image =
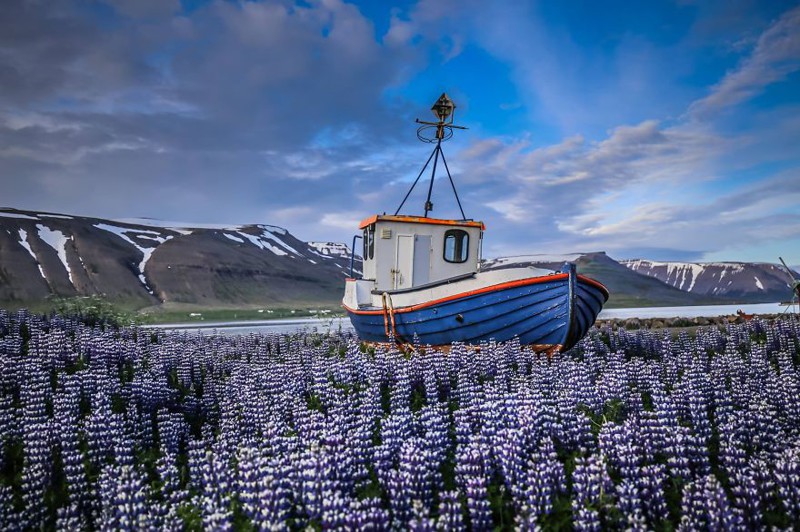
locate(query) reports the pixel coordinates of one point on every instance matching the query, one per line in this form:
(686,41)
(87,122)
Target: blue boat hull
(549,312)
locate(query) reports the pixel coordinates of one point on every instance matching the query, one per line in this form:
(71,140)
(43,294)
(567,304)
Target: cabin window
(456,245)
(369,242)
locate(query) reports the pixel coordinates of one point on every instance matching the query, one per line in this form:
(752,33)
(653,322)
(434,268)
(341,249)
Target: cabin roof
(418,220)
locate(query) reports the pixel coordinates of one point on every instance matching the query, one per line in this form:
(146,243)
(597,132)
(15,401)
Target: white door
(404,262)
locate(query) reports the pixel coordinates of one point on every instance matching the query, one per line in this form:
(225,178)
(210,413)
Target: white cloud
(341,220)
(775,56)
(551,179)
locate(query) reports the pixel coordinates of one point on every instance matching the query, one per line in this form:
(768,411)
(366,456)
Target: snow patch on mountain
(5,214)
(23,235)
(330,249)
(186,227)
(128,235)
(58,241)
(261,243)
(280,242)
(522,261)
(232,237)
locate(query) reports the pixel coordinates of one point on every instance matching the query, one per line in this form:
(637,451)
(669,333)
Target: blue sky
(661,130)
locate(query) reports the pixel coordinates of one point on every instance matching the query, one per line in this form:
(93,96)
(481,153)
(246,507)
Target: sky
(659,130)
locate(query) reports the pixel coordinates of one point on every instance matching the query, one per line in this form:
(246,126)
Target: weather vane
(444,109)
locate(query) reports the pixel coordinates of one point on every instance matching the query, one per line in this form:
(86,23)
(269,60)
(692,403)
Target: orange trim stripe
(485,289)
(418,220)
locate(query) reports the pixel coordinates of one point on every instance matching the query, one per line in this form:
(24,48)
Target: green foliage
(560,518)
(240,520)
(502,506)
(418,398)
(314,402)
(11,470)
(613,411)
(191,517)
(371,489)
(94,310)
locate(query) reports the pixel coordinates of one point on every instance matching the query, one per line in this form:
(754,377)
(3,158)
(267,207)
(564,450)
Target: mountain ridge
(150,263)
(730,279)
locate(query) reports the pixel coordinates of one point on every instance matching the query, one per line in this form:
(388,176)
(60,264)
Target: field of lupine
(130,428)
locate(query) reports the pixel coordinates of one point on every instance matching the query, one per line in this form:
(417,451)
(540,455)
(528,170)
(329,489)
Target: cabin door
(413,261)
(422,259)
(403,273)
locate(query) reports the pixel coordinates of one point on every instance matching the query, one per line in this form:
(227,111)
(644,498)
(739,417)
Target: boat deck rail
(426,285)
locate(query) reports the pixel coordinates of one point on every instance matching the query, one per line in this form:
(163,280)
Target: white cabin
(406,252)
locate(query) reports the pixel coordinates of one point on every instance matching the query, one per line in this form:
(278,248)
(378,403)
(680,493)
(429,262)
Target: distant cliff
(647,283)
(744,281)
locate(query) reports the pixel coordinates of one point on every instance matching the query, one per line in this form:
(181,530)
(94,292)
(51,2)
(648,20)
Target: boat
(422,282)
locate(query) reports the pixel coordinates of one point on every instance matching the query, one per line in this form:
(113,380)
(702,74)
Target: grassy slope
(184,313)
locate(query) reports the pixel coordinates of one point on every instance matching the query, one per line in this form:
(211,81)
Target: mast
(444,111)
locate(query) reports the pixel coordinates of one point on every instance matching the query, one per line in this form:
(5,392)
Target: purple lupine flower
(433,420)
(196,455)
(66,412)
(619,443)
(217,488)
(413,480)
(787,479)
(478,507)
(705,506)
(264,489)
(318,480)
(123,496)
(334,511)
(236,411)
(586,520)
(511,459)
(8,517)
(451,517)
(367,515)
(67,518)
(592,491)
(420,520)
(650,485)
(630,505)
(544,480)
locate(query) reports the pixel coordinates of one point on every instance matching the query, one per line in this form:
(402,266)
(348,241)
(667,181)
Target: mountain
(627,288)
(741,281)
(144,262)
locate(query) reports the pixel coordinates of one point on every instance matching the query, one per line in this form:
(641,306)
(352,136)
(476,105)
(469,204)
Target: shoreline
(266,323)
(630,319)
(633,324)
